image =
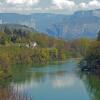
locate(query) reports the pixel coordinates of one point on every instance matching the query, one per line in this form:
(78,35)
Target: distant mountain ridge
(15,27)
(83,24)
(80,24)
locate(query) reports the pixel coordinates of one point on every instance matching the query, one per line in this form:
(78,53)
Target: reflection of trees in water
(8,93)
(20,74)
(93,85)
(41,76)
(13,88)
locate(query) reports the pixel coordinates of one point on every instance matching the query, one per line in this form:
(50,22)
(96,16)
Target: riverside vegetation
(91,61)
(17,47)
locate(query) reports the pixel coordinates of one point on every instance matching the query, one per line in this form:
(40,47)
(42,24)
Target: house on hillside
(34,44)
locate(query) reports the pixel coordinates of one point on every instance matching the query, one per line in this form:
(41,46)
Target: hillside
(13,27)
(80,24)
(20,45)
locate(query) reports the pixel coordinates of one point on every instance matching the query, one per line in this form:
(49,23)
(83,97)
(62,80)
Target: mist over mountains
(80,24)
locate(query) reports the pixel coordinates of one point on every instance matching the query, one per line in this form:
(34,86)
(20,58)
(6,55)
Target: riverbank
(91,62)
(12,55)
(56,80)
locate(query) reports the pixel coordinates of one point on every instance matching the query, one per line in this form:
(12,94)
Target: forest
(91,61)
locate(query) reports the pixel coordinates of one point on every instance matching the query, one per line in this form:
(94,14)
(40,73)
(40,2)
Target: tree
(7,31)
(14,39)
(2,40)
(98,38)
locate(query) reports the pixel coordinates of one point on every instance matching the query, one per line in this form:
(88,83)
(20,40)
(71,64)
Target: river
(54,82)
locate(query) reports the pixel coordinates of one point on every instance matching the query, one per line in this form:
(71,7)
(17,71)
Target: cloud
(72,5)
(94,4)
(62,4)
(19,6)
(53,6)
(82,5)
(28,2)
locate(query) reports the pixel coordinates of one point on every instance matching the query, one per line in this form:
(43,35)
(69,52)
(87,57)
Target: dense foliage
(91,61)
(98,38)
(17,47)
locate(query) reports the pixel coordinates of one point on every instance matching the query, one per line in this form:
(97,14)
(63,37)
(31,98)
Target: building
(33,44)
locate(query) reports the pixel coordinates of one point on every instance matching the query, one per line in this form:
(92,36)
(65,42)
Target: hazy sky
(47,6)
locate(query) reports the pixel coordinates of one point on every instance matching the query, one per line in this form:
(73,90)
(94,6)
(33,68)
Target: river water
(55,82)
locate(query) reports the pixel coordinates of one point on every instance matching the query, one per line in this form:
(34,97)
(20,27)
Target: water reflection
(9,93)
(93,86)
(56,80)
(53,82)
(63,82)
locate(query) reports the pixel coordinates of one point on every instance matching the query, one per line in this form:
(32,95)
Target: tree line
(91,61)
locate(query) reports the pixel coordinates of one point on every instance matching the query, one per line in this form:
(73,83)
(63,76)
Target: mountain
(83,24)
(10,28)
(80,24)
(39,21)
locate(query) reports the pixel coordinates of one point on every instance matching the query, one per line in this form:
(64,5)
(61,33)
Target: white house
(33,44)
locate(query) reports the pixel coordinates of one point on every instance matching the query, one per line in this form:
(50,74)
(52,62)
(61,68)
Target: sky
(47,6)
